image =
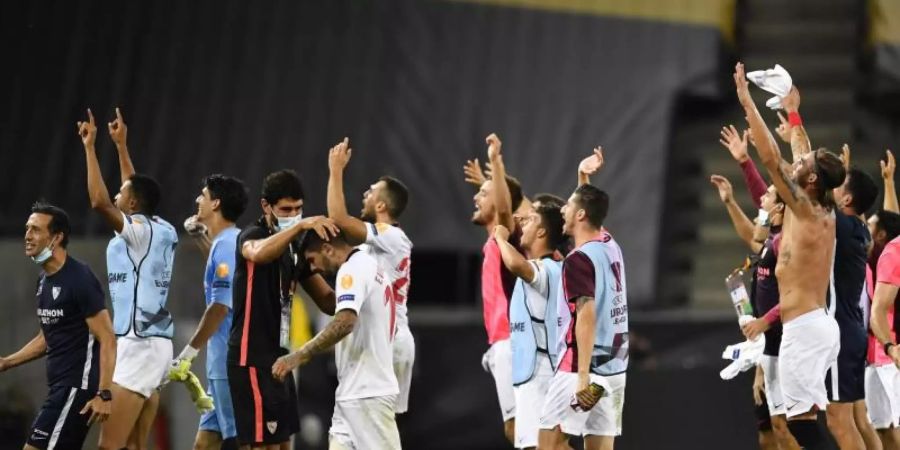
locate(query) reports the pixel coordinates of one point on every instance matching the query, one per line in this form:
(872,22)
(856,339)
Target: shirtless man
(810,341)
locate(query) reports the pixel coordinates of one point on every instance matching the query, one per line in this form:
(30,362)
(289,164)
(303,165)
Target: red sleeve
(578,276)
(754,180)
(774,315)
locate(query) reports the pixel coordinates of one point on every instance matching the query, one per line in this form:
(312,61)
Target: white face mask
(286,222)
(44,255)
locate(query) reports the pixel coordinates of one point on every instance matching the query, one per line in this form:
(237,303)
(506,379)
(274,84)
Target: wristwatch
(887,348)
(104,395)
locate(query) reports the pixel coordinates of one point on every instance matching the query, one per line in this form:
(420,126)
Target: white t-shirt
(365,357)
(390,246)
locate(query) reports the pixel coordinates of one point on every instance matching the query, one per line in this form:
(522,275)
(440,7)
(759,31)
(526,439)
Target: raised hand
(791,102)
(339,156)
(88,130)
(473,172)
(845,157)
(735,142)
(494,145)
(784,128)
(888,166)
(118,131)
(593,163)
(742,86)
(726,193)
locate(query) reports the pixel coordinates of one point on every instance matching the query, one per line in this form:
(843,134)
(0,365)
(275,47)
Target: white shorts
(142,363)
(882,398)
(604,419)
(498,361)
(362,424)
(530,398)
(773,385)
(809,346)
(404,357)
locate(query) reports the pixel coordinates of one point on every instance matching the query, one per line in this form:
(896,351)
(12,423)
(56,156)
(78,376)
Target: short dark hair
(59,220)
(515,191)
(282,184)
(552,220)
(230,192)
(396,196)
(890,223)
(312,242)
(146,191)
(594,202)
(829,168)
(863,189)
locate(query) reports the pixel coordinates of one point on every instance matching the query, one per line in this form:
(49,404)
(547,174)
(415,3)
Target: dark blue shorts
(59,424)
(846,379)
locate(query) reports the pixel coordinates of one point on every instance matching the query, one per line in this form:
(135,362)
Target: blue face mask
(44,255)
(286,222)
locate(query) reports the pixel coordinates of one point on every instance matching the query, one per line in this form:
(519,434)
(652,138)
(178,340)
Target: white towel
(744,356)
(776,80)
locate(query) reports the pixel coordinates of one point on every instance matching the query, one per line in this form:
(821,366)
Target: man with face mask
(361,335)
(139,259)
(268,266)
(76,336)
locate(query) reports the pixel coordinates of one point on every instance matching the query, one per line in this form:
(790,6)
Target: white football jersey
(390,246)
(364,358)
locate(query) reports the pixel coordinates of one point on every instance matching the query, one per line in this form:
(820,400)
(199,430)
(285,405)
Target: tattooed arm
(340,327)
(794,197)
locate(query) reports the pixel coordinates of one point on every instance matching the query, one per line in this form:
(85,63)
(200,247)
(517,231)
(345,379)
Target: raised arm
(474,175)
(736,143)
(742,225)
(353,228)
(589,166)
(512,259)
(263,251)
(887,174)
(118,131)
(793,196)
(799,139)
(97,192)
(34,349)
(502,197)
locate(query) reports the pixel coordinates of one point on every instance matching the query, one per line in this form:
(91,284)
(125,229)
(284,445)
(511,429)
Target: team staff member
(76,336)
(268,264)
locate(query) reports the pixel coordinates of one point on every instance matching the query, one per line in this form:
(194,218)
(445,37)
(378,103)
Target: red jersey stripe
(257,407)
(245,336)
